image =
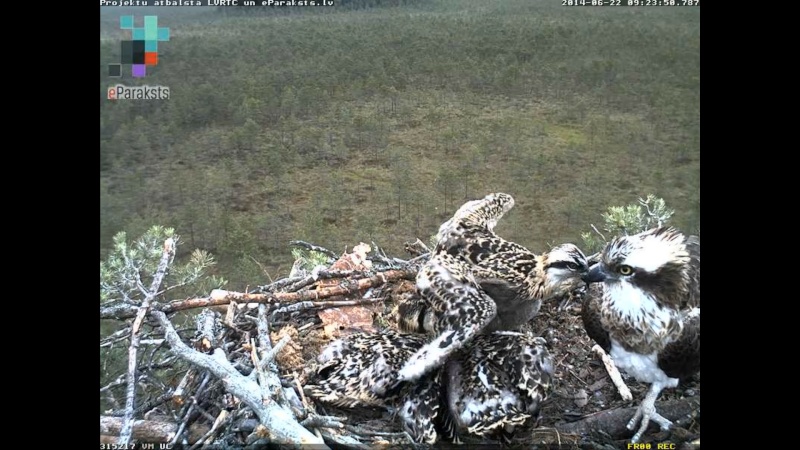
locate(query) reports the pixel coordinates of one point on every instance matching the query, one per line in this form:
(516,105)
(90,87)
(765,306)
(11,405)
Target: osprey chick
(476,282)
(491,388)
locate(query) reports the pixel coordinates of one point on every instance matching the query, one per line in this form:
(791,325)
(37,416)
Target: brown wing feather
(693,247)
(590,313)
(681,358)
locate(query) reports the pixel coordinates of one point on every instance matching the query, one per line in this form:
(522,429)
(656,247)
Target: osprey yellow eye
(625,270)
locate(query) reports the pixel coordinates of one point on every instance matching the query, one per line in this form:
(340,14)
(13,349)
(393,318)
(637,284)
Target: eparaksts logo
(122,92)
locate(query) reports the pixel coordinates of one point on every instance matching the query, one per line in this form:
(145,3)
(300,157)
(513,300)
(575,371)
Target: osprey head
(565,266)
(654,261)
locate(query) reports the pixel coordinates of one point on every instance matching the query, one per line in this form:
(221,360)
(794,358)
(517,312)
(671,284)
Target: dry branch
(150,430)
(279,421)
(315,248)
(613,372)
(220,297)
(166,257)
(614,421)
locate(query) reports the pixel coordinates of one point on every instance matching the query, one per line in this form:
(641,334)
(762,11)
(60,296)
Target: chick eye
(572,266)
(625,270)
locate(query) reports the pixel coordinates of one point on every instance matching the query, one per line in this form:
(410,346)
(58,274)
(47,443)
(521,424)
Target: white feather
(652,253)
(642,367)
(635,305)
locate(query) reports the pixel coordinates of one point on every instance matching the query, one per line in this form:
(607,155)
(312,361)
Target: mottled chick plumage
(645,311)
(361,370)
(495,386)
(492,388)
(476,281)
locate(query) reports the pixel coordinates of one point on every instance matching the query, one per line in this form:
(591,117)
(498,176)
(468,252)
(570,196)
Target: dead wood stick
(615,421)
(143,407)
(277,285)
(223,418)
(315,248)
(150,430)
(268,367)
(322,305)
(166,256)
(221,297)
(270,355)
(186,412)
(343,441)
(178,394)
(613,372)
(294,282)
(314,421)
(120,380)
(115,337)
(278,421)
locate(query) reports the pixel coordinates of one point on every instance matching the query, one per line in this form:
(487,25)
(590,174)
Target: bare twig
(144,407)
(650,212)
(342,441)
(419,259)
(262,326)
(613,372)
(599,233)
(149,430)
(270,355)
(120,380)
(115,337)
(275,286)
(279,422)
(223,418)
(315,248)
(220,297)
(268,367)
(307,281)
(187,411)
(332,304)
(178,394)
(166,256)
(323,274)
(314,421)
(206,325)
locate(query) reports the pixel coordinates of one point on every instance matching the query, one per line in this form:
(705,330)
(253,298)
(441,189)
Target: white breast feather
(635,305)
(642,367)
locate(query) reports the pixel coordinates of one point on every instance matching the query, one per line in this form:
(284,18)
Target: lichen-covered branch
(278,421)
(166,256)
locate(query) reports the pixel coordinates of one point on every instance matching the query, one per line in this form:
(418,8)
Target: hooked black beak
(595,275)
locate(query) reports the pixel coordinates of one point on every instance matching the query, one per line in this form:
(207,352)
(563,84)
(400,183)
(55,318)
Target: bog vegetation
(373,121)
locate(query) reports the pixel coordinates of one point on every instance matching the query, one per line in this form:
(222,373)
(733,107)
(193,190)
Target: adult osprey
(646,312)
(476,282)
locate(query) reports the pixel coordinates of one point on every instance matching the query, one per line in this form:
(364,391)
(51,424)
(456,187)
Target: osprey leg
(647,412)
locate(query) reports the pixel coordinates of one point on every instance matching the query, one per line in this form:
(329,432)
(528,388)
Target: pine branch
(166,256)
